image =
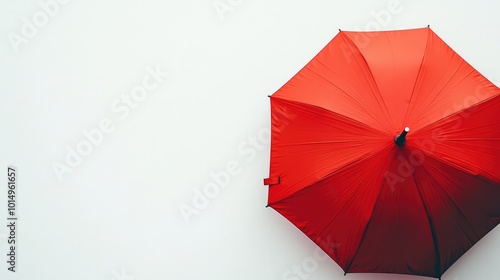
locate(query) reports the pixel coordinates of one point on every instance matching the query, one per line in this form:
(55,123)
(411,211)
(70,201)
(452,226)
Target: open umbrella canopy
(387,144)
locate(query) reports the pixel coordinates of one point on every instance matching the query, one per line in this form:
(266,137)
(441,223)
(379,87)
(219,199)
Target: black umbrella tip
(400,140)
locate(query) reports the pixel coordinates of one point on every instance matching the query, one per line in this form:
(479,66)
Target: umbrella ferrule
(400,140)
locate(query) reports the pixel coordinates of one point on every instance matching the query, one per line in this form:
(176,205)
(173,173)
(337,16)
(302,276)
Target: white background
(116,215)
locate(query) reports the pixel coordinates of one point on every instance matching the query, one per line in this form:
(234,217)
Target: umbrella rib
(345,141)
(399,230)
(472,139)
(418,75)
(317,142)
(431,226)
(388,115)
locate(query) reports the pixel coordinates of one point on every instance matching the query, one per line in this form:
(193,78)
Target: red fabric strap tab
(272,181)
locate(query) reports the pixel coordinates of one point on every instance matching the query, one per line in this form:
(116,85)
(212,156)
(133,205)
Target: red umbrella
(387,144)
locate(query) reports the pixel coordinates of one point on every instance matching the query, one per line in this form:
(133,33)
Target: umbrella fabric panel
(398,238)
(309,143)
(462,208)
(394,60)
(347,89)
(468,140)
(446,85)
(420,78)
(339,206)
